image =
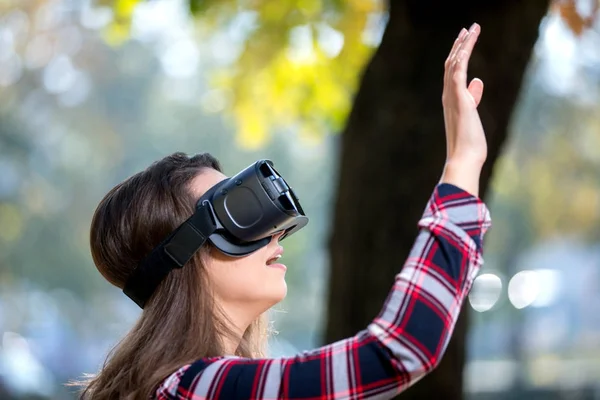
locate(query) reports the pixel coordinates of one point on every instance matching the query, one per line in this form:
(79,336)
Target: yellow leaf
(577,22)
(116,34)
(584,205)
(252,132)
(508,169)
(310,8)
(123,9)
(11,221)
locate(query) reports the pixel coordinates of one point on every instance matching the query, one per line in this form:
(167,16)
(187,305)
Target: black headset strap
(174,252)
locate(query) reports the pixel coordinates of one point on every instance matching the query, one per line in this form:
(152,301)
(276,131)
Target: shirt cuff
(449,203)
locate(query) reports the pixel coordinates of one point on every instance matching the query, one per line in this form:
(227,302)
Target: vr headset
(239,215)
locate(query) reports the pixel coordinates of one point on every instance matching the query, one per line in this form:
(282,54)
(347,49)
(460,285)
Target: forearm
(419,316)
(464,174)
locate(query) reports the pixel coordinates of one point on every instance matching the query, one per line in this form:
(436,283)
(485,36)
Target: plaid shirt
(404,343)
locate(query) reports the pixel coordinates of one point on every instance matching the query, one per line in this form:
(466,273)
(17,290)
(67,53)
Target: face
(245,286)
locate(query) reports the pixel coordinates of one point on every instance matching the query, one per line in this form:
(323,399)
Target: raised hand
(465,139)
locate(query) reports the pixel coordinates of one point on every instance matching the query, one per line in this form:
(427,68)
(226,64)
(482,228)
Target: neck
(237,325)
(230,345)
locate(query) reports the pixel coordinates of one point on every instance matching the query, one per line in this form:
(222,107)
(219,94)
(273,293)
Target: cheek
(248,279)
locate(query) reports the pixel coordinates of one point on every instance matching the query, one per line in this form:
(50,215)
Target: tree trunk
(393,150)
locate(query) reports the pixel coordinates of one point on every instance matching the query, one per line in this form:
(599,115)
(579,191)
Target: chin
(277,296)
(280,295)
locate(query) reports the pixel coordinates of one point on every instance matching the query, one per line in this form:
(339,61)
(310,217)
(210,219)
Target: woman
(201,332)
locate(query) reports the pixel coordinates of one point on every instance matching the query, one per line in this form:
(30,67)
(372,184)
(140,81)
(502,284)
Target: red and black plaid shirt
(405,341)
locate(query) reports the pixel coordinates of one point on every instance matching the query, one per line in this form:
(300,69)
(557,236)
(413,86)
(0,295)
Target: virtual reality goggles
(239,215)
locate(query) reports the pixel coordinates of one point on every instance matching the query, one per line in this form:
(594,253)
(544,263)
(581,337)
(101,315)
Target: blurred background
(92,92)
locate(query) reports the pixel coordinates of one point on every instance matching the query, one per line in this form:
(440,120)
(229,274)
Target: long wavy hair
(181,322)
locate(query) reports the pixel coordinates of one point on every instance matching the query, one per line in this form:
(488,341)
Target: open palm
(465,136)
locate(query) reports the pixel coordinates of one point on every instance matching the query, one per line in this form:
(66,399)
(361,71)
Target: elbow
(436,360)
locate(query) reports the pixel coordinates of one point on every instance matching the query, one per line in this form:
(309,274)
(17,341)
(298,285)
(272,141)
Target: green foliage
(299,62)
(547,180)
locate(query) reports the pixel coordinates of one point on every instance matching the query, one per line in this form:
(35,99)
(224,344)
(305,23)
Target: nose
(277,236)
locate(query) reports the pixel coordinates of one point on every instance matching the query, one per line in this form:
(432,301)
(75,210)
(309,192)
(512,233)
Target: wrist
(463,174)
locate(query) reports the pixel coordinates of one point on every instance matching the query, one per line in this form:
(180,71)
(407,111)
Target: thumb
(475,88)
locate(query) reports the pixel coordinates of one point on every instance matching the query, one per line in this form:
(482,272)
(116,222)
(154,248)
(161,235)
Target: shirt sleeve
(400,346)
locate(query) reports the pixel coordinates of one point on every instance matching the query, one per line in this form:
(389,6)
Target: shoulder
(169,386)
(180,383)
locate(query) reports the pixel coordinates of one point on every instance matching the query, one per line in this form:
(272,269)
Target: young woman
(201,331)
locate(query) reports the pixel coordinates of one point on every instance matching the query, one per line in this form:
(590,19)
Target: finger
(464,54)
(457,43)
(476,90)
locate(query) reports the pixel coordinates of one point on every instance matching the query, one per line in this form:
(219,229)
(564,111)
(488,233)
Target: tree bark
(393,151)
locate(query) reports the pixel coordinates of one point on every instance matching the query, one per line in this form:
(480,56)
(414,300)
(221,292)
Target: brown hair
(180,323)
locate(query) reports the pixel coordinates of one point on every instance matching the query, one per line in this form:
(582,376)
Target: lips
(275,256)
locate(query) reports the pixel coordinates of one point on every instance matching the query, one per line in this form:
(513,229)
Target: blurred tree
(393,152)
